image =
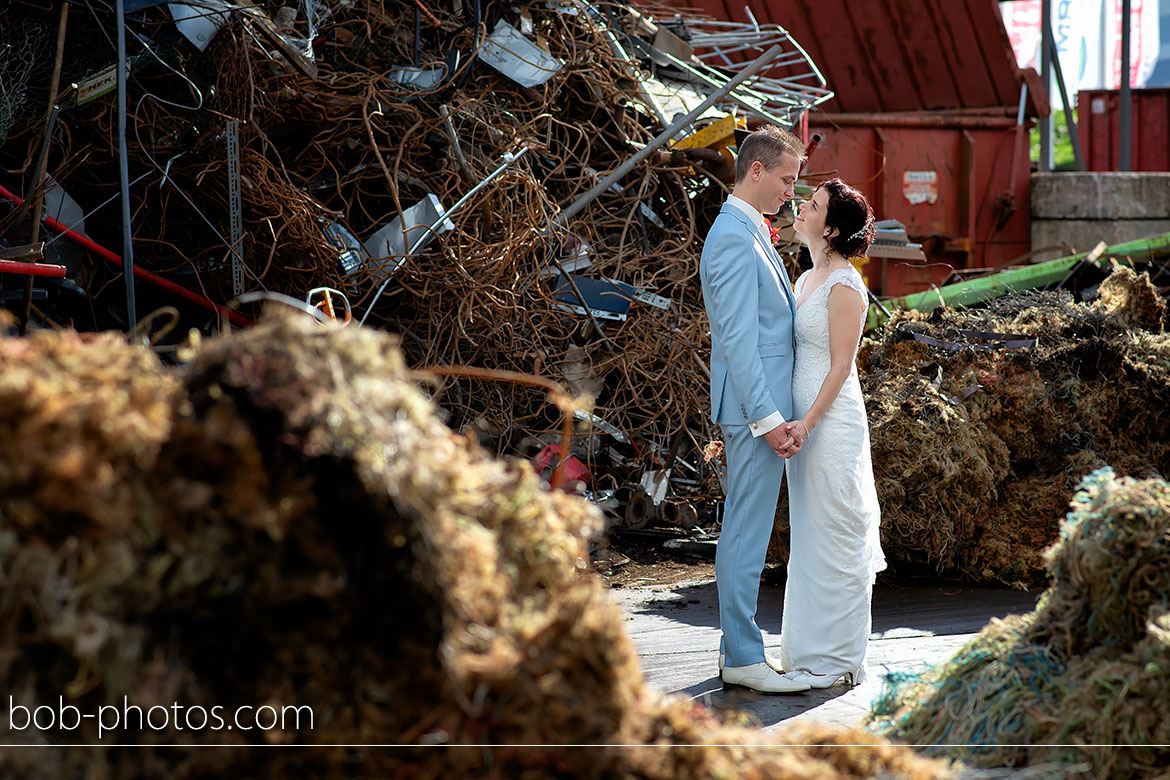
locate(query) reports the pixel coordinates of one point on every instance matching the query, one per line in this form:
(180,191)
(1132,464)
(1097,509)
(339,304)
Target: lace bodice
(812,327)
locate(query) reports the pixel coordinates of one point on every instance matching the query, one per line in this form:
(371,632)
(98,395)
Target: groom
(750,307)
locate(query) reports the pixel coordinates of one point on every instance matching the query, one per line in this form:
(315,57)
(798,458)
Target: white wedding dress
(835,548)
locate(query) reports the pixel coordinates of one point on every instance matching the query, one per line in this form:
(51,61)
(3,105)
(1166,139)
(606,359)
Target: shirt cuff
(769,423)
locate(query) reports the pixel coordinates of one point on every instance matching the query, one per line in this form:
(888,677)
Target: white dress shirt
(775,419)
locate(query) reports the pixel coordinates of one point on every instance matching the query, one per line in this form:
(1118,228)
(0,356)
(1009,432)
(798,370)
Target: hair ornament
(861,230)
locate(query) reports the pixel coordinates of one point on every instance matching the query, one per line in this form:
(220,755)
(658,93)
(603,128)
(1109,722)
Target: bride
(835,550)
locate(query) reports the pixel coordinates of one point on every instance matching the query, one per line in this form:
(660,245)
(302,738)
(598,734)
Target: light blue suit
(750,307)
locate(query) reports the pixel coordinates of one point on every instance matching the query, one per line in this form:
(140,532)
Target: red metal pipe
(32,269)
(813,143)
(911,119)
(141,273)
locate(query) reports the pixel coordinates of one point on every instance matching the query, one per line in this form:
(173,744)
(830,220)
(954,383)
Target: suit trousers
(754,471)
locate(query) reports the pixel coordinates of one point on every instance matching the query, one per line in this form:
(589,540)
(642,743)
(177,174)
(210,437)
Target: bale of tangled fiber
(285,522)
(983,420)
(1084,680)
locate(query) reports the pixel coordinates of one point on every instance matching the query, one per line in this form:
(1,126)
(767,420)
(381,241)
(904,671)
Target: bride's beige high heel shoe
(850,678)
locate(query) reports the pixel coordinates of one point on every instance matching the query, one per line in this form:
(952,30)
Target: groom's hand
(781,441)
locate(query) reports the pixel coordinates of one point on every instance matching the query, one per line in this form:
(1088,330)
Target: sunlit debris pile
(983,420)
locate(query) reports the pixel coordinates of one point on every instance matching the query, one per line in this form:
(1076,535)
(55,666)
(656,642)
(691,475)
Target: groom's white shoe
(760,678)
(767,660)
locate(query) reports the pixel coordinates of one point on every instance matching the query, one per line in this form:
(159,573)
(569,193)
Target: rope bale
(304,513)
(1084,680)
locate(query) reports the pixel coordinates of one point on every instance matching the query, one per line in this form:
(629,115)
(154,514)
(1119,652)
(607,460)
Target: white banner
(1088,40)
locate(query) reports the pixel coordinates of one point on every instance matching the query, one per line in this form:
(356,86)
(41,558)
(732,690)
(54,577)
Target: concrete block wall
(1080,209)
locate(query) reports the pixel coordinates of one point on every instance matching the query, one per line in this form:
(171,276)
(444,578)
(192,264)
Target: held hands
(784,440)
(788,438)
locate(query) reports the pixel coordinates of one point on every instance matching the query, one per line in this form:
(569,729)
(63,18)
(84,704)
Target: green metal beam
(1030,277)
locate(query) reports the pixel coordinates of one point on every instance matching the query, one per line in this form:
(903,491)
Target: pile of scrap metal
(521,188)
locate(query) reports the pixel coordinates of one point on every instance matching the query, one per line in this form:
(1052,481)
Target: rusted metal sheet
(901,55)
(1098,125)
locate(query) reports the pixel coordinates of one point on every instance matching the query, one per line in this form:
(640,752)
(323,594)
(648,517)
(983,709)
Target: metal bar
(1124,119)
(912,119)
(1070,123)
(124,172)
(32,269)
(234,207)
(577,206)
(1046,49)
(1015,279)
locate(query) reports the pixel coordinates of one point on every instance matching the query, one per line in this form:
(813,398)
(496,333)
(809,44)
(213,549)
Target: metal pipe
(32,269)
(1045,122)
(912,119)
(142,273)
(578,205)
(1124,119)
(124,171)
(1070,123)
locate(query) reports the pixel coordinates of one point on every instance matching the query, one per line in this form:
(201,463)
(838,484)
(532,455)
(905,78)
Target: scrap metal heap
(329,144)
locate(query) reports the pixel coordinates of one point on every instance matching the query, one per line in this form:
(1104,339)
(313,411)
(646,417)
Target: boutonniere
(775,234)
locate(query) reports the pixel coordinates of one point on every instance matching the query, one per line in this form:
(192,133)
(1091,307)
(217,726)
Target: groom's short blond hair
(768,145)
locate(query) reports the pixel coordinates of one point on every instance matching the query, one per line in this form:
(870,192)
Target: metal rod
(235,206)
(43,162)
(453,137)
(124,172)
(1123,124)
(577,206)
(911,119)
(1070,123)
(1046,49)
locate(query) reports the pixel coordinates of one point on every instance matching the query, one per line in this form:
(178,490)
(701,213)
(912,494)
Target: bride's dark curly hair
(850,213)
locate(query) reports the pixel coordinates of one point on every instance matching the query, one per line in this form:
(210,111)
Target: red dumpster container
(923,122)
(1099,122)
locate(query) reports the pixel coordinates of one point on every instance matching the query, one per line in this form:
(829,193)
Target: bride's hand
(798,430)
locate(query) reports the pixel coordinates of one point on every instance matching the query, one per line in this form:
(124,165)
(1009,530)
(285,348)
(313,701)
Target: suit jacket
(750,307)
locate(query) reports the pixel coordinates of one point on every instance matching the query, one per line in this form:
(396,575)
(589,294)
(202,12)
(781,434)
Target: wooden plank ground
(676,631)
